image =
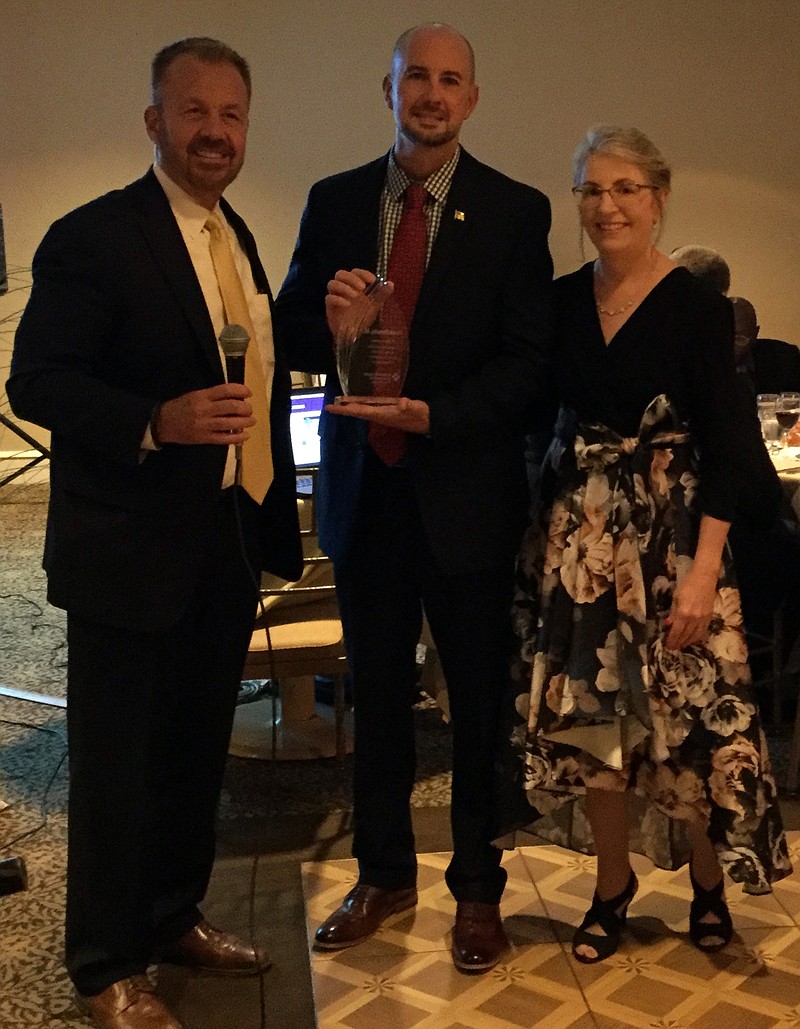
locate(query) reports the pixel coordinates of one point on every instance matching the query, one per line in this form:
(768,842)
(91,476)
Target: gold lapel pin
(459,216)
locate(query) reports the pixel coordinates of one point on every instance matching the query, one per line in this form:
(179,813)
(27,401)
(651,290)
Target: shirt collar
(437,184)
(190,215)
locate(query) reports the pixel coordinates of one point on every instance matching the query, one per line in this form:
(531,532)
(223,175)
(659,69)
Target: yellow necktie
(257,471)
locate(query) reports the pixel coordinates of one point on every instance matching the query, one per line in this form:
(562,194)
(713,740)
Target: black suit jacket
(776,366)
(480,347)
(117,322)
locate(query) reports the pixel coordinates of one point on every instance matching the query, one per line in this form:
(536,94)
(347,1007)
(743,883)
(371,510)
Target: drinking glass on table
(770,430)
(787,412)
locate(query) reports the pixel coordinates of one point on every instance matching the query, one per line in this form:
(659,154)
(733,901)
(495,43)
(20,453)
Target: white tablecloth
(787,464)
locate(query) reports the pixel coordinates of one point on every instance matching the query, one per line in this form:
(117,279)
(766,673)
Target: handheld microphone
(233,342)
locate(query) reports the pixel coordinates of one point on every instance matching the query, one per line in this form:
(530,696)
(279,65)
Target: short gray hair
(705,264)
(205,49)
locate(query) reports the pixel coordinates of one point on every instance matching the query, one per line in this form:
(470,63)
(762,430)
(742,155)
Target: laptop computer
(306,408)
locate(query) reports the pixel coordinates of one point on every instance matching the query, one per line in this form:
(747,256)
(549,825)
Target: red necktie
(405,269)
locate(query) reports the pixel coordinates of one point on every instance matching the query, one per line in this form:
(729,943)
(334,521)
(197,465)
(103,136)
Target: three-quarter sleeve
(718,418)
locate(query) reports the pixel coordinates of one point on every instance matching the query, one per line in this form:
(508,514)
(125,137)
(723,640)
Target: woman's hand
(692,608)
(693,599)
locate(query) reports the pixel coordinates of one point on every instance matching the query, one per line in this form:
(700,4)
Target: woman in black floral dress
(635,725)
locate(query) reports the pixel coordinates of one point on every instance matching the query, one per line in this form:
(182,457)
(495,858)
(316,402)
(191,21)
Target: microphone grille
(233,340)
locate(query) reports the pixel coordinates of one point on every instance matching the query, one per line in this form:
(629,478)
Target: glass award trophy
(372,347)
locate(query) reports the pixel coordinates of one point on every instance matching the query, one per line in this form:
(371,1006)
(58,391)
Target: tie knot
(214,224)
(415,197)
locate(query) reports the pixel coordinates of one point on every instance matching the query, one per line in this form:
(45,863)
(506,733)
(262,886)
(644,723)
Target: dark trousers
(383,587)
(149,718)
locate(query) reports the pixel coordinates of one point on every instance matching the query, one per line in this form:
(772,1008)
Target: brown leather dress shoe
(361,914)
(127,1004)
(206,949)
(479,939)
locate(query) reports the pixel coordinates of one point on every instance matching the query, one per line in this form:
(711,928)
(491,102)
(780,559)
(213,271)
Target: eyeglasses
(623,192)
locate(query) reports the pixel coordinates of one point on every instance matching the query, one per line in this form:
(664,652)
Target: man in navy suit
(435,529)
(151,547)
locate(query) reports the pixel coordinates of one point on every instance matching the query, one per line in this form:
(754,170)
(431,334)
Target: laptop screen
(303,426)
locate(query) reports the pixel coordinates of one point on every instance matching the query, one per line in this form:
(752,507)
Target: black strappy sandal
(709,902)
(610,915)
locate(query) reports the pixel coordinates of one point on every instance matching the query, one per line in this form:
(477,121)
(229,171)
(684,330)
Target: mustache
(428,109)
(217,146)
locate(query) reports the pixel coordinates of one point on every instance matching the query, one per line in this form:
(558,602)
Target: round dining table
(787,464)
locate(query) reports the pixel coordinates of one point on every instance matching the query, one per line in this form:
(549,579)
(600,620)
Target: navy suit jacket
(117,322)
(480,345)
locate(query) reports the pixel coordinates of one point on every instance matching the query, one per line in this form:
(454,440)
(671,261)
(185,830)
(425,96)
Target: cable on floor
(7,844)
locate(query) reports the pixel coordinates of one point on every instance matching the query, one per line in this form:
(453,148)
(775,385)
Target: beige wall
(716,83)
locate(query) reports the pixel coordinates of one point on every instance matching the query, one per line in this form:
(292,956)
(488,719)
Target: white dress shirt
(191,218)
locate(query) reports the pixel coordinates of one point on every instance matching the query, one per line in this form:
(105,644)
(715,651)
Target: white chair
(297,635)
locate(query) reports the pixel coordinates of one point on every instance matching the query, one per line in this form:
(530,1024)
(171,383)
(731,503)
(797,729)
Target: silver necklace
(618,310)
(625,307)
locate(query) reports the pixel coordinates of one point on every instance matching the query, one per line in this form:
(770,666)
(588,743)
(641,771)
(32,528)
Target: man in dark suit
(435,526)
(765,545)
(773,365)
(152,549)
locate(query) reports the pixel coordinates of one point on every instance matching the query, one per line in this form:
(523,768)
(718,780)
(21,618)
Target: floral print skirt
(597,700)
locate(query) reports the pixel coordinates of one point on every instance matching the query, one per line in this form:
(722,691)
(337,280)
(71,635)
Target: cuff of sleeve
(151,440)
(431,420)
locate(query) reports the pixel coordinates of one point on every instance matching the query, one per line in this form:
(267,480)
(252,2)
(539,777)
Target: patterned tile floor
(403,978)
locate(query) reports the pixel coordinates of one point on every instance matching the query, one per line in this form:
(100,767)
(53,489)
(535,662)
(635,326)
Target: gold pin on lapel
(459,216)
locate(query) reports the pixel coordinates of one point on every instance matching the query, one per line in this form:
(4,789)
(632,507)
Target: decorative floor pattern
(403,977)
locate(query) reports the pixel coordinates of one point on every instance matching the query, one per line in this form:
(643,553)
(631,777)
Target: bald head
(744,316)
(436,28)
